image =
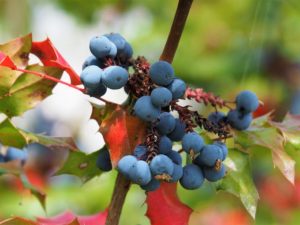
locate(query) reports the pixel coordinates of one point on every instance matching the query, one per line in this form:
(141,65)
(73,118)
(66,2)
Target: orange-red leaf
(122,132)
(164,206)
(49,55)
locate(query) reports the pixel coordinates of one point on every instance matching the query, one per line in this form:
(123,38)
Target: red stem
(45,76)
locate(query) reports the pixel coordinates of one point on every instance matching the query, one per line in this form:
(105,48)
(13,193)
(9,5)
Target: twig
(179,20)
(122,186)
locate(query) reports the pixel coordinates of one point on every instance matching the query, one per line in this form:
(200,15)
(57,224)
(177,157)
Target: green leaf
(263,133)
(12,136)
(290,129)
(81,165)
(27,90)
(238,180)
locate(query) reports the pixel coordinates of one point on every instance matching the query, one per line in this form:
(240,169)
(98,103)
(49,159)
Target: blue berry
(161,97)
(238,120)
(125,164)
(127,52)
(210,154)
(98,91)
(152,185)
(192,177)
(216,117)
(140,173)
(117,39)
(246,102)
(177,173)
(113,50)
(175,157)
(223,148)
(161,164)
(165,145)
(166,123)
(115,77)
(92,60)
(15,154)
(100,46)
(177,88)
(140,151)
(178,132)
(103,161)
(211,174)
(91,76)
(161,73)
(145,110)
(192,141)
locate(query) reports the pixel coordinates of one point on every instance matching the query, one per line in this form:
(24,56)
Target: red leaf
(164,207)
(68,217)
(49,55)
(122,132)
(6,61)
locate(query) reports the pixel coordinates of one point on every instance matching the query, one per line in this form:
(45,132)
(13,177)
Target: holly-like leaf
(18,50)
(66,218)
(81,165)
(290,128)
(27,90)
(12,136)
(164,206)
(264,134)
(238,180)
(49,55)
(122,132)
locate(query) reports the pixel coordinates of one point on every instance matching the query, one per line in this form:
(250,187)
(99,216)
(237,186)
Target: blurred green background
(227,46)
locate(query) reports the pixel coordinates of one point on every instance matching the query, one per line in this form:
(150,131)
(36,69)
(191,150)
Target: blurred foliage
(226,46)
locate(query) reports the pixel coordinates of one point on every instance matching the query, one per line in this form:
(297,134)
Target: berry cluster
(99,71)
(154,91)
(241,117)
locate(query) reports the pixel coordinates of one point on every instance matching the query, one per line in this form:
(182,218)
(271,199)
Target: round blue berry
(161,73)
(161,97)
(177,88)
(192,177)
(192,142)
(166,123)
(115,77)
(100,46)
(145,110)
(161,164)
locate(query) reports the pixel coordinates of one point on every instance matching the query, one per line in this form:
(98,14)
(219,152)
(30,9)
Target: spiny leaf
(66,218)
(18,49)
(50,56)
(27,90)
(290,128)
(12,136)
(164,206)
(238,180)
(263,133)
(81,165)
(122,132)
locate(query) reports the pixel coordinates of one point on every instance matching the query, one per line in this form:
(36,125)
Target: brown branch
(122,186)
(181,15)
